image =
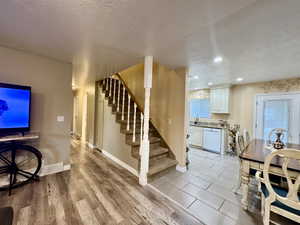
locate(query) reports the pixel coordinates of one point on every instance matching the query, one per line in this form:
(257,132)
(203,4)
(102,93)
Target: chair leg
(267,214)
(239,182)
(236,191)
(262,204)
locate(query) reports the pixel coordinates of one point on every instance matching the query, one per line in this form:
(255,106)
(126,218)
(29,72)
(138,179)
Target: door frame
(255,116)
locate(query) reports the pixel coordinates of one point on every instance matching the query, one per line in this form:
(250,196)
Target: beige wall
(243,98)
(109,138)
(51,97)
(167,106)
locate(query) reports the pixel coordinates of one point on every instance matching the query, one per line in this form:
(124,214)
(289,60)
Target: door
(278,111)
(75,114)
(84,118)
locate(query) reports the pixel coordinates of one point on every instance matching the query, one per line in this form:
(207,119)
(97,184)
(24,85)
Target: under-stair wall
(109,139)
(167,104)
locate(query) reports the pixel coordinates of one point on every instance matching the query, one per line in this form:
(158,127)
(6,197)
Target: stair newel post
(128,115)
(141,134)
(148,67)
(118,100)
(134,122)
(123,101)
(114,91)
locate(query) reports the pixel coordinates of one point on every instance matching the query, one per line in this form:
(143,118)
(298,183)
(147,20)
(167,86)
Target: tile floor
(207,190)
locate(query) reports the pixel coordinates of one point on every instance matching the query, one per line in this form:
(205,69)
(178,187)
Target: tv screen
(14,108)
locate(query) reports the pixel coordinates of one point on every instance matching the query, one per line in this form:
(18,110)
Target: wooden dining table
(253,157)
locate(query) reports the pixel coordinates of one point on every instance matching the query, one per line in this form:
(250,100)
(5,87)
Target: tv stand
(20,137)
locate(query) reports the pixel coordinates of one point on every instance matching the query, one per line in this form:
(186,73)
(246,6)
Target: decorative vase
(278,144)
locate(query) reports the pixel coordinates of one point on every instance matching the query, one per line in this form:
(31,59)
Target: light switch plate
(60,118)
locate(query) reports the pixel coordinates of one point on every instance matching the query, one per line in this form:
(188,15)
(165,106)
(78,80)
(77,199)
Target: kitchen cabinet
(196,136)
(219,100)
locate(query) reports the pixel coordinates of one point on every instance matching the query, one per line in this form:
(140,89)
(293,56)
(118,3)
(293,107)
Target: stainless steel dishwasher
(212,139)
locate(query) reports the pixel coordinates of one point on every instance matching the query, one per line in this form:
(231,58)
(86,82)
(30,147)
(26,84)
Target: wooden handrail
(140,107)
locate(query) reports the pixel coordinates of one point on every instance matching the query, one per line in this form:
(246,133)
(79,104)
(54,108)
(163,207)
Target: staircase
(129,115)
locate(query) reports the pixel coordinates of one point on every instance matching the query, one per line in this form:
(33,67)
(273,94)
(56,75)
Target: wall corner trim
(121,163)
(181,169)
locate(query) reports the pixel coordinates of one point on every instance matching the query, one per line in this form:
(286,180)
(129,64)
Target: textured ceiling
(259,40)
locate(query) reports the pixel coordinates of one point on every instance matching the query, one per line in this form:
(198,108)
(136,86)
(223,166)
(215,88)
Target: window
(199,108)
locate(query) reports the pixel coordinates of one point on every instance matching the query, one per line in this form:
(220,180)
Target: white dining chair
(246,137)
(276,199)
(240,146)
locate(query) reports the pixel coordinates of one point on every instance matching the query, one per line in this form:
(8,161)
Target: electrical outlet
(60,118)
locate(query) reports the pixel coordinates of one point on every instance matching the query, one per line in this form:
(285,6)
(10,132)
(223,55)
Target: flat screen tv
(15,103)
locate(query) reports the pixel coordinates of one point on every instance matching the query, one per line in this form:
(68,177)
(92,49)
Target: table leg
(245,183)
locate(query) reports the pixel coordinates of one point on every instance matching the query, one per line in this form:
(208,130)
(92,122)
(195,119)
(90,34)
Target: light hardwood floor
(95,191)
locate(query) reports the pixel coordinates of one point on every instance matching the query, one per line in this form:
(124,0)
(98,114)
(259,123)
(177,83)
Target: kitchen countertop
(209,125)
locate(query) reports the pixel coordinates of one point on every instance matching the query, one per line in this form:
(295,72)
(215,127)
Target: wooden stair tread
(137,131)
(157,166)
(130,122)
(158,151)
(152,140)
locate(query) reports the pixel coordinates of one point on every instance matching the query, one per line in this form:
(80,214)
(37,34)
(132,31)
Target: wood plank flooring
(95,191)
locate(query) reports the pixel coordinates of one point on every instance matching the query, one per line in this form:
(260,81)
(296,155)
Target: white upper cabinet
(219,99)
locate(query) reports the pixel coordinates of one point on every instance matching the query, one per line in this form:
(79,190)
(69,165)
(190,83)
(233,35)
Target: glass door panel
(276,115)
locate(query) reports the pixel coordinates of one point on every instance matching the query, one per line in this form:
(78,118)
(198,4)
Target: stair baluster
(118,100)
(110,86)
(106,84)
(134,122)
(123,102)
(114,94)
(128,115)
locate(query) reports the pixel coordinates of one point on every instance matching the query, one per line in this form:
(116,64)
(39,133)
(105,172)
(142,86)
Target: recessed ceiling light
(239,79)
(218,59)
(210,83)
(194,77)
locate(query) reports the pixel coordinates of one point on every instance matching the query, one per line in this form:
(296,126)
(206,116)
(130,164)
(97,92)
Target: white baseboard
(181,169)
(67,167)
(121,163)
(91,145)
(53,168)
